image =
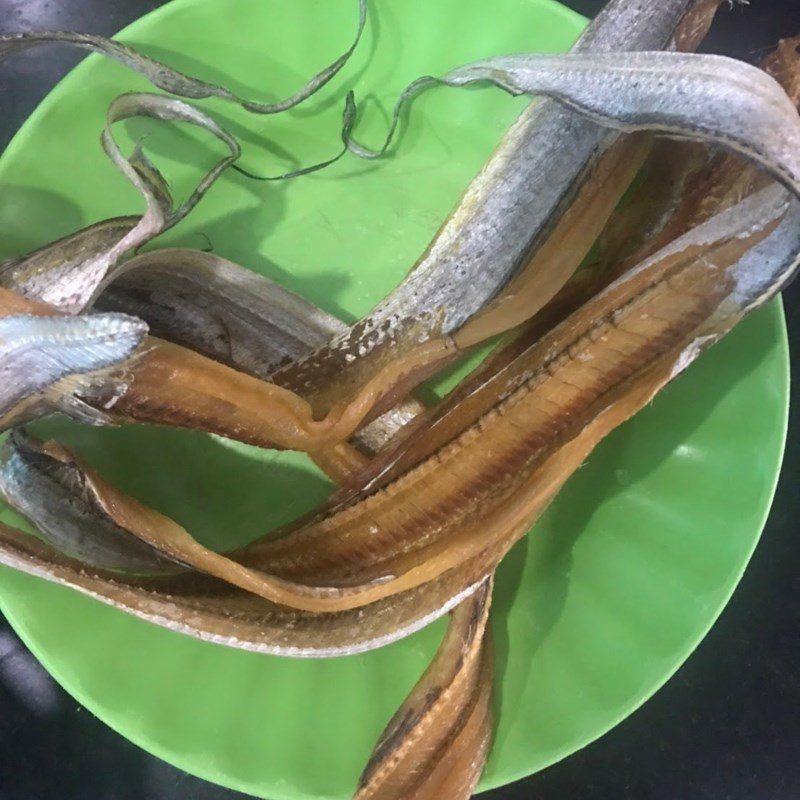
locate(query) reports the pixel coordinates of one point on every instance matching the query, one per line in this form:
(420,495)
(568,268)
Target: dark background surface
(726,727)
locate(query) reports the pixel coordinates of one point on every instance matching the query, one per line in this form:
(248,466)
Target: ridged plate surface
(611,591)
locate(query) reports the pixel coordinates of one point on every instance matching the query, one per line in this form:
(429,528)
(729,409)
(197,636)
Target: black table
(726,727)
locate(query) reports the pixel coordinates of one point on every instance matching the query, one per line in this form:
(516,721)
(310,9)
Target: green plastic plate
(614,587)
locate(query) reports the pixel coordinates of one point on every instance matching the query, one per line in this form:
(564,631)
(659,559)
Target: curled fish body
(54,265)
(169,79)
(70,273)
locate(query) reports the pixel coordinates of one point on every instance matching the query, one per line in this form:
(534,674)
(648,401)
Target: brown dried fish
(554,403)
(533,403)
(212,611)
(414,756)
(239,318)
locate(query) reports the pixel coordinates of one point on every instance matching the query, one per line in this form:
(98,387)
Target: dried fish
(44,360)
(417,531)
(747,112)
(68,274)
(191,403)
(219,309)
(413,328)
(682,185)
(602,34)
(237,317)
(169,384)
(207,609)
(169,79)
(508,210)
(565,249)
(533,403)
(709,98)
(49,485)
(424,731)
(45,484)
(460,767)
(45,270)
(743,89)
(549,415)
(557,262)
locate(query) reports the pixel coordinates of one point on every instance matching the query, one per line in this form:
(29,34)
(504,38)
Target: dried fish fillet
(219,309)
(567,246)
(694,24)
(419,530)
(622,24)
(673,305)
(533,403)
(52,488)
(708,98)
(169,384)
(740,91)
(211,611)
(425,728)
(459,769)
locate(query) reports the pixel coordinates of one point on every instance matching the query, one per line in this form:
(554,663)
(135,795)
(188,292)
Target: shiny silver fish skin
(708,98)
(217,308)
(37,352)
(51,272)
(57,499)
(39,272)
(507,210)
(770,266)
(72,285)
